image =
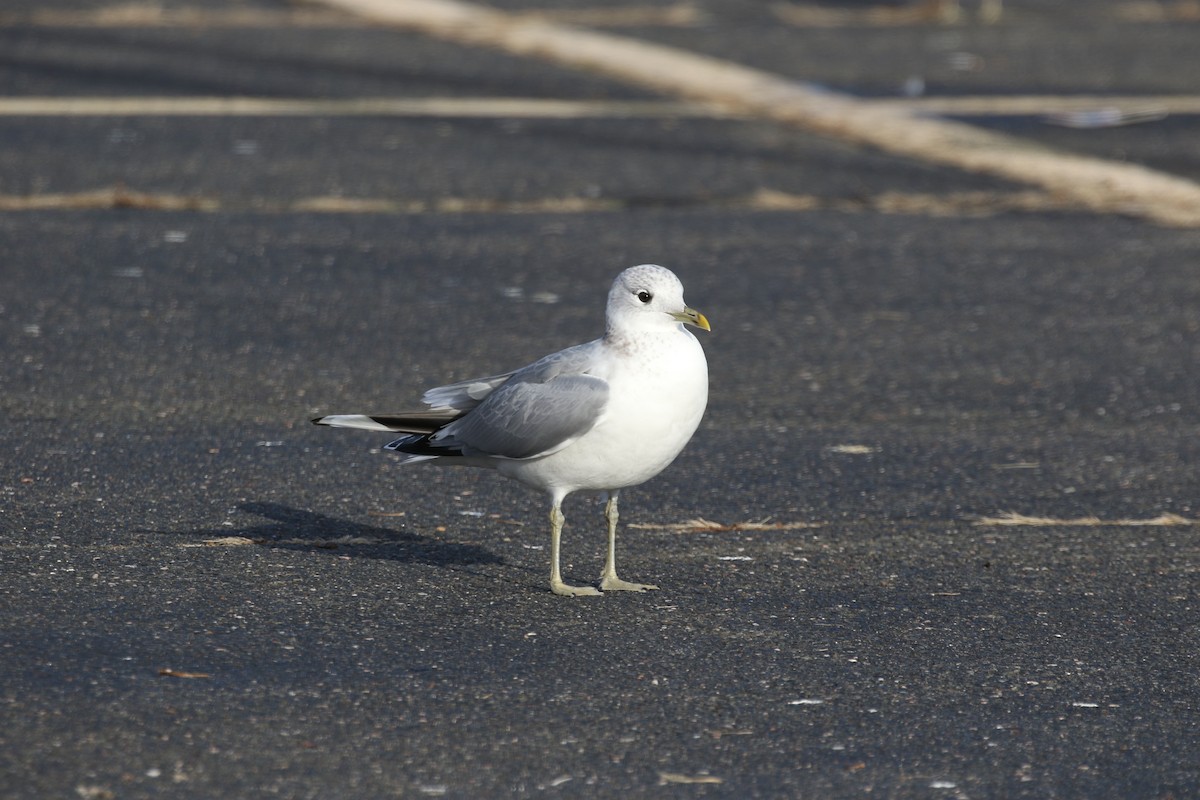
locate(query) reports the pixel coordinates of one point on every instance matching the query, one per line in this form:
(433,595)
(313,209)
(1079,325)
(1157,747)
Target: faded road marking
(954,204)
(1095,183)
(153,15)
(1011,519)
(502,107)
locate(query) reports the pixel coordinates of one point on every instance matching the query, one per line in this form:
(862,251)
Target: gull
(598,417)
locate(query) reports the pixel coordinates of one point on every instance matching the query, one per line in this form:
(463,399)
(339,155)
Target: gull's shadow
(295,529)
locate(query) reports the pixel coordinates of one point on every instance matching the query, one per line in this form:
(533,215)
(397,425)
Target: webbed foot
(611,583)
(564,590)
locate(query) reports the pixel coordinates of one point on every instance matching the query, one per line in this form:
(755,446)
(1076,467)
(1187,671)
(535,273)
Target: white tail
(360,421)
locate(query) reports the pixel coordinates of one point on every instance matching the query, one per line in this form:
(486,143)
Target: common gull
(601,416)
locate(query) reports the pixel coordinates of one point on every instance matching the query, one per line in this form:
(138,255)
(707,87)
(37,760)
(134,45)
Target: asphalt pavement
(936,537)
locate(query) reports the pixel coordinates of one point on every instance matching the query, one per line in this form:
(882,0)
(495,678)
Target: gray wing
(464,395)
(538,410)
(446,404)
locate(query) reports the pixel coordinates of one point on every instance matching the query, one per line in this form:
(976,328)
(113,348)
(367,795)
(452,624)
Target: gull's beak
(690,316)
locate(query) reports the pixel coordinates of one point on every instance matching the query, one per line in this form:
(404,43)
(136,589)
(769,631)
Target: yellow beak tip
(690,316)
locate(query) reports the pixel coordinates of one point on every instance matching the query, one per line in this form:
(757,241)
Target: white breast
(657,398)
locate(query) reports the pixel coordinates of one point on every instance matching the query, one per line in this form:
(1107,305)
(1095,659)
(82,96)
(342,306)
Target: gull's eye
(645,296)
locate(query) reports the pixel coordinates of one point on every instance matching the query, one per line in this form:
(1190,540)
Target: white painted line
(1097,184)
(1038,105)
(498,107)
(679,15)
(135,15)
(153,15)
(537,107)
(809,15)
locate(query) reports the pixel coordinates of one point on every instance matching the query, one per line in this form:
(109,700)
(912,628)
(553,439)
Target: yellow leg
(609,581)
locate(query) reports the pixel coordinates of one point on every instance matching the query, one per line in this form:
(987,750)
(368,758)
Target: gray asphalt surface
(881,384)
